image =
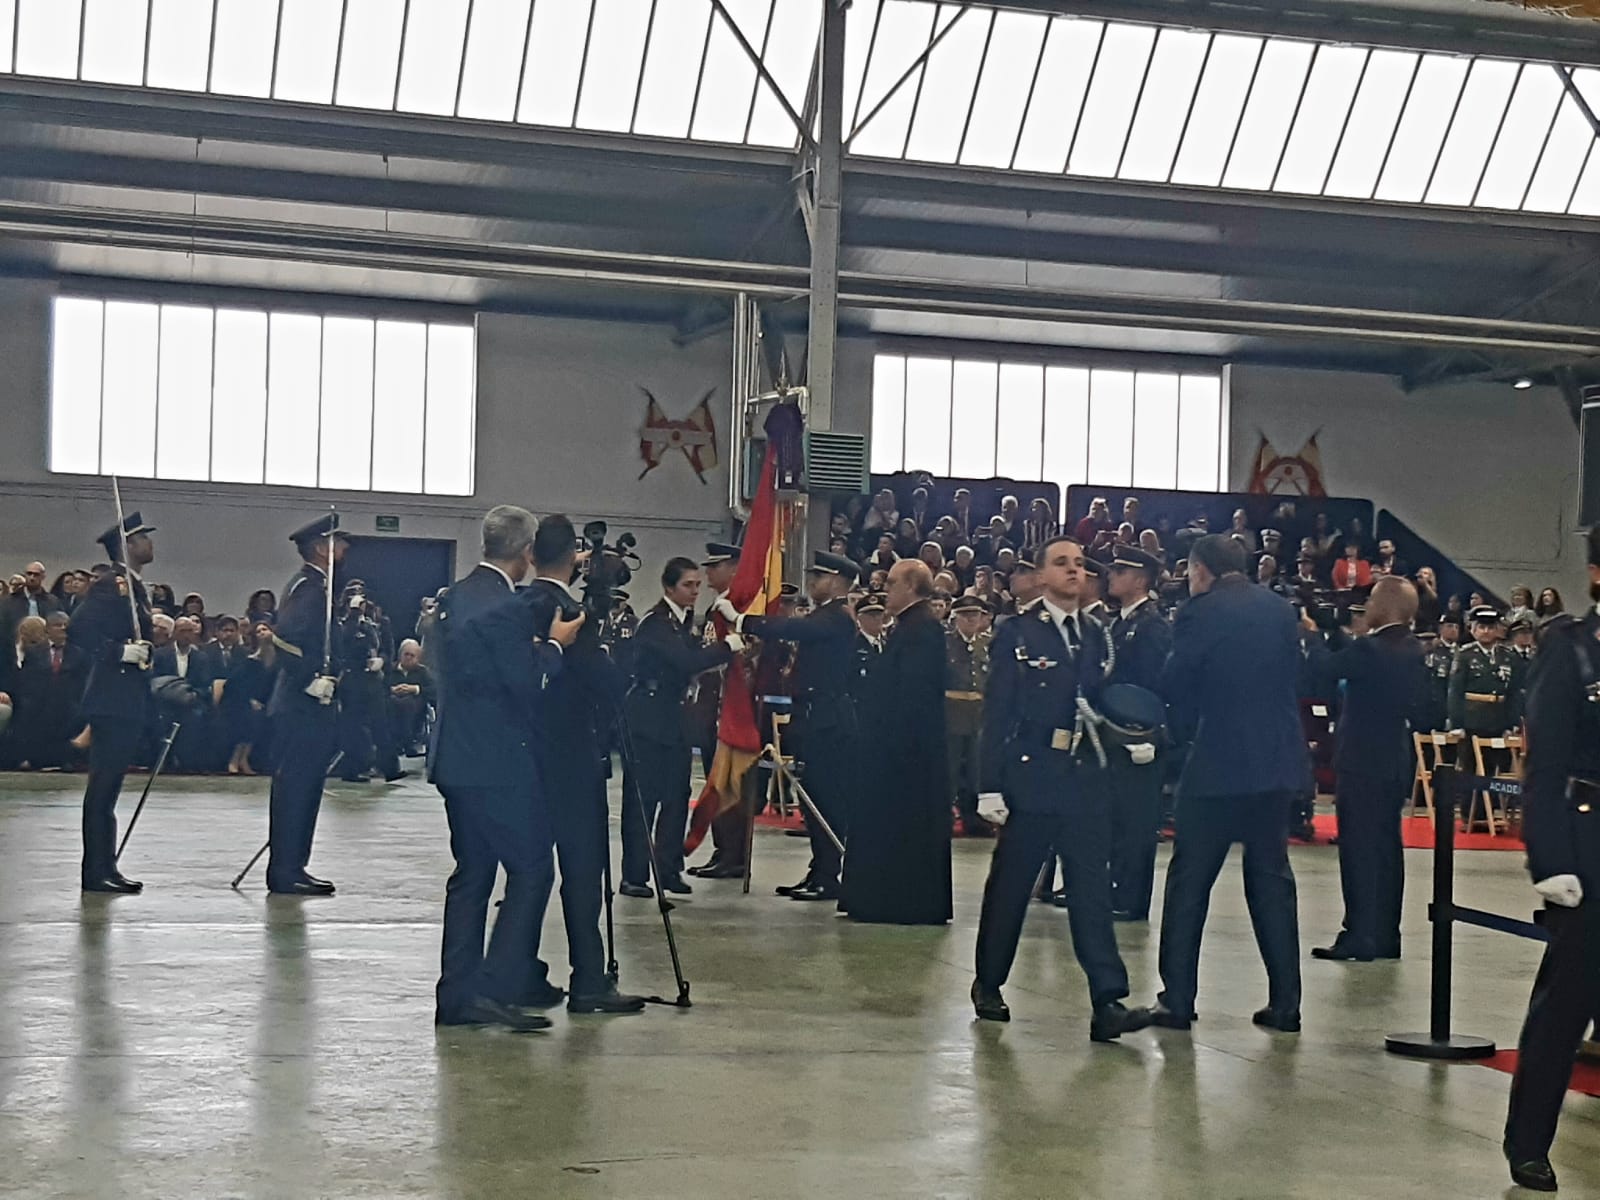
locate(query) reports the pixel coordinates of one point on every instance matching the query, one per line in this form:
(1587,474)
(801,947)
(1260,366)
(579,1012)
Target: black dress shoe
(790,889)
(1163,1017)
(1111,1021)
(547,996)
(988,1003)
(1534,1173)
(1283,1022)
(355,779)
(639,891)
(816,891)
(677,887)
(1118,914)
(484,1011)
(1338,953)
(114,883)
(723,870)
(302,887)
(705,868)
(396,777)
(321,883)
(608,1001)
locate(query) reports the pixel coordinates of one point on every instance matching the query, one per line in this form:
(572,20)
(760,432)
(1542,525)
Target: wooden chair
(1426,745)
(1497,822)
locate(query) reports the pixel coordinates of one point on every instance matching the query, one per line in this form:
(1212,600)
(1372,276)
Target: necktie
(55,660)
(1069,630)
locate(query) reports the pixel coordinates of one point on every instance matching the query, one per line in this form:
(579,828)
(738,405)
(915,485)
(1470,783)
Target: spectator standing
(1521,608)
(882,517)
(263,606)
(243,705)
(1548,605)
(1352,572)
(49,690)
(1428,609)
(1040,527)
(1088,530)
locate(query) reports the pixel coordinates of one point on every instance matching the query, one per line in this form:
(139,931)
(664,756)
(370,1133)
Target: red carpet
(1585,1076)
(1416,833)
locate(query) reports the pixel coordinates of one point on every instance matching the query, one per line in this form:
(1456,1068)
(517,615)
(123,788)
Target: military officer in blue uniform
(1561,806)
(303,709)
(116,702)
(1044,782)
(825,734)
(1141,640)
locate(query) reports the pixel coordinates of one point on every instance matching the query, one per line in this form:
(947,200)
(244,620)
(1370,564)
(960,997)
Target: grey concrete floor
(197,1042)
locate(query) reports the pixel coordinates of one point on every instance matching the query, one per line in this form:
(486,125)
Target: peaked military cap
(1136,559)
(874,603)
(788,591)
(969,604)
(719,552)
(833,564)
(1485,614)
(320,528)
(1093,566)
(132,524)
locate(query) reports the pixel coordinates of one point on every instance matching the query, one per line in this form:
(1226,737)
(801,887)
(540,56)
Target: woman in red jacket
(1352,572)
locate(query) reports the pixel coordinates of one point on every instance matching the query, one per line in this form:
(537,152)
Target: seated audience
(1352,572)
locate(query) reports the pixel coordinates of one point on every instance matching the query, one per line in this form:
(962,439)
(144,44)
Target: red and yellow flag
(754,589)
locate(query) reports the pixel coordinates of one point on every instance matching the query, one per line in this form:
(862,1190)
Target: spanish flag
(754,589)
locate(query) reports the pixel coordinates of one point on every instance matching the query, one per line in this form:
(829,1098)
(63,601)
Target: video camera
(607,569)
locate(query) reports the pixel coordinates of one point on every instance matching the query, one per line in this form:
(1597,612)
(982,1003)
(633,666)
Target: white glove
(1142,753)
(726,608)
(735,643)
(356,601)
(992,808)
(136,654)
(321,688)
(374,663)
(1565,891)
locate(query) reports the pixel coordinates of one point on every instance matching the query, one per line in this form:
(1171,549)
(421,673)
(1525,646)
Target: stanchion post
(1439,1042)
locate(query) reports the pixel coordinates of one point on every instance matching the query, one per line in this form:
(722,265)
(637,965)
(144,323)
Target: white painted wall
(559,412)
(1486,473)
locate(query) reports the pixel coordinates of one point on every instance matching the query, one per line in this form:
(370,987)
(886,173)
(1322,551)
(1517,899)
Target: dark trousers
(406,717)
(113,746)
(963,722)
(1135,823)
(1082,832)
(1566,995)
(1207,828)
(578,815)
(658,776)
(490,828)
(828,777)
(306,742)
(364,732)
(1372,871)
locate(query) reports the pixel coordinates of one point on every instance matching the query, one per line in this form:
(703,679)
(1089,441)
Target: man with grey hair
(1382,673)
(493,671)
(411,693)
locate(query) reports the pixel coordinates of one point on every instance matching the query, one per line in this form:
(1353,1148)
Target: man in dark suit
(1382,673)
(1561,808)
(666,656)
(578,704)
(304,712)
(49,696)
(116,639)
(494,669)
(824,726)
(898,868)
(185,677)
(1231,685)
(1044,782)
(1141,640)
(32,601)
(411,693)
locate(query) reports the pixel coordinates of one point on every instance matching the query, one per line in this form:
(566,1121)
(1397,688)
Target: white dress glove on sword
(1565,891)
(992,808)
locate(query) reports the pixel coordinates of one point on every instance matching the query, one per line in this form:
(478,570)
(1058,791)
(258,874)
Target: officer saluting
(825,735)
(1043,782)
(1561,806)
(1141,639)
(115,702)
(304,714)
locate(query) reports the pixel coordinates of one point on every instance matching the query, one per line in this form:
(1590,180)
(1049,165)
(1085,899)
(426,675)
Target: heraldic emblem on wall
(1288,474)
(695,435)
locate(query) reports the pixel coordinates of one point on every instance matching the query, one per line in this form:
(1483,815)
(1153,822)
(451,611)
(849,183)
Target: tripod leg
(239,878)
(155,773)
(662,903)
(748,803)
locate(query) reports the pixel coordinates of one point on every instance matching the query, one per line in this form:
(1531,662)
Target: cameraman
(363,721)
(666,655)
(573,766)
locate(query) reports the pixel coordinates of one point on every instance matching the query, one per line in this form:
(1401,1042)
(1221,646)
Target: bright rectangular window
(982,418)
(236,395)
